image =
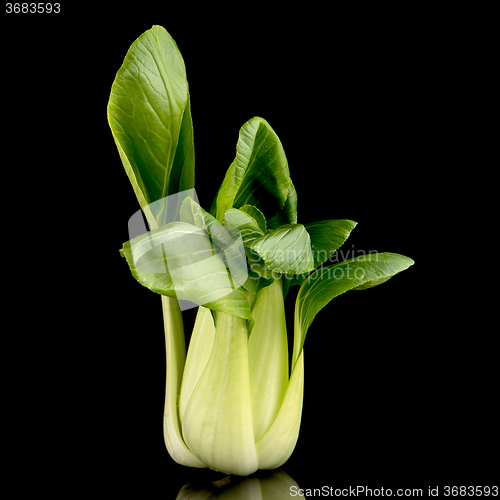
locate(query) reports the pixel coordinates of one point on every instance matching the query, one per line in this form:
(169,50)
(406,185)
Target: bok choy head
(234,398)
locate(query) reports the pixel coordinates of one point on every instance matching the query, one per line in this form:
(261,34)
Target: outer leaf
(327,236)
(286,249)
(329,282)
(259,174)
(149,115)
(179,260)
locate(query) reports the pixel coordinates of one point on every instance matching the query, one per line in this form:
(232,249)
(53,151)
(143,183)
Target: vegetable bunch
(234,401)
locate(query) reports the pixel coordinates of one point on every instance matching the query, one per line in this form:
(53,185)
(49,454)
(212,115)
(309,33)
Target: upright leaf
(149,115)
(259,174)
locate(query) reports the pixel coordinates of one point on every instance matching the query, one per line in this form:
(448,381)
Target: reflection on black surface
(265,485)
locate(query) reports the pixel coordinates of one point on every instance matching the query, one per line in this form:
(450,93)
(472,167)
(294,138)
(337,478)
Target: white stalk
(200,347)
(275,448)
(217,422)
(176,354)
(268,357)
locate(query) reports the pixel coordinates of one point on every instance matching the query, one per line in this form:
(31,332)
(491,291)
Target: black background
(399,381)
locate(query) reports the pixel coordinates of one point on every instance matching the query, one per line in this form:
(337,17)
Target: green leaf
(259,174)
(288,215)
(243,222)
(179,260)
(286,249)
(250,228)
(371,284)
(150,119)
(257,215)
(328,282)
(327,237)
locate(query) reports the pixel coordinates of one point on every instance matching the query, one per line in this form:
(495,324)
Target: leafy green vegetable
(231,401)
